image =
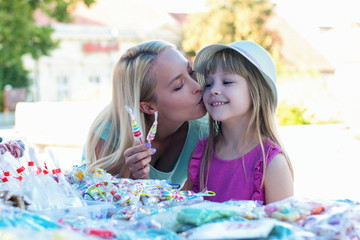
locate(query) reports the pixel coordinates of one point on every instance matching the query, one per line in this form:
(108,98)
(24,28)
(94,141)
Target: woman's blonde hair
(262,122)
(133,82)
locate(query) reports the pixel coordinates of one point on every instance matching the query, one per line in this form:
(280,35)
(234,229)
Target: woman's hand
(137,159)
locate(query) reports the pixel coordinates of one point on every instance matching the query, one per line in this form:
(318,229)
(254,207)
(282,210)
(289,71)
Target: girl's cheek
(204,97)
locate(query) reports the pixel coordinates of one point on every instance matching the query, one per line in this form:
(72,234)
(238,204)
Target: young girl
(242,159)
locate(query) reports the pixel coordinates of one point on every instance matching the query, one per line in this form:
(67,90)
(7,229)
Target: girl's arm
(278,182)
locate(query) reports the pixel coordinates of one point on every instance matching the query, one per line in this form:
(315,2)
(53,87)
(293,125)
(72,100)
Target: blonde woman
(152,76)
(242,158)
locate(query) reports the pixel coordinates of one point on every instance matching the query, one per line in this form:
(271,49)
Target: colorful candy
(135,127)
(134,195)
(152,131)
(15,147)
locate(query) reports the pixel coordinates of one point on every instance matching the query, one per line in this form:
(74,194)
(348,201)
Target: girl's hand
(137,159)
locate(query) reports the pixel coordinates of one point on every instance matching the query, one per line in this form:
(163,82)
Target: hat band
(249,56)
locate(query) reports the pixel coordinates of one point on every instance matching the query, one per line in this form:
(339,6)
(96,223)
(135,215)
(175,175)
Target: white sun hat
(253,52)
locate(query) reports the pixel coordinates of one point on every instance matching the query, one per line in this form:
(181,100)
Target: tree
(228,21)
(20,36)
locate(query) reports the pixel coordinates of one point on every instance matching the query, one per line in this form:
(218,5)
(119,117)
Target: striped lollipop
(135,127)
(16,148)
(152,131)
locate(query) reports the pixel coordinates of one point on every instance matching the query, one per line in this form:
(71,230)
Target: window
(62,84)
(94,80)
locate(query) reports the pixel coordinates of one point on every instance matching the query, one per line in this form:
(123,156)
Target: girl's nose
(215,90)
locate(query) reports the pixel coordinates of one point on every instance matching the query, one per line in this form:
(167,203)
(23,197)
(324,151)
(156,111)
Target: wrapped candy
(11,166)
(132,196)
(294,210)
(15,147)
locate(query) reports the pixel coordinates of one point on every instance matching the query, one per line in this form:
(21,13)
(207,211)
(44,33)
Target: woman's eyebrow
(174,79)
(178,76)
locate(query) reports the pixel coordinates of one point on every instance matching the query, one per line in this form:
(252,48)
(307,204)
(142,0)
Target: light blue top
(197,129)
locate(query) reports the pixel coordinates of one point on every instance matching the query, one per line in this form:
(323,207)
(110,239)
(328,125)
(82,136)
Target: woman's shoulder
(200,126)
(103,130)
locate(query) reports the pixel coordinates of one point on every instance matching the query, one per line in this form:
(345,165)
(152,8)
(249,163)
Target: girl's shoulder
(195,164)
(200,148)
(271,148)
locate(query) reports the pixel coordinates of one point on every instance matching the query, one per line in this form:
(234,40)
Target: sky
(180,6)
(304,15)
(301,11)
(319,12)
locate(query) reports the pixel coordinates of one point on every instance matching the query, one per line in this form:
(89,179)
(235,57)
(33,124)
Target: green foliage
(228,21)
(292,115)
(20,36)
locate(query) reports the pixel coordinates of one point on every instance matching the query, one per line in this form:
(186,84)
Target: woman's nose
(197,87)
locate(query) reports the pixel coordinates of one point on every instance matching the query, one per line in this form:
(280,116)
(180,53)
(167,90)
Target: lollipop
(16,148)
(152,131)
(136,130)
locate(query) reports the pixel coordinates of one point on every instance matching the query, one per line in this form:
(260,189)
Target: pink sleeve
(195,164)
(271,150)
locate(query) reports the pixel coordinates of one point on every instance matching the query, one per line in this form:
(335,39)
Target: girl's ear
(147,108)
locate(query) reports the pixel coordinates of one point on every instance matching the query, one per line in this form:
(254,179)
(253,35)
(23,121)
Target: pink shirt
(227,177)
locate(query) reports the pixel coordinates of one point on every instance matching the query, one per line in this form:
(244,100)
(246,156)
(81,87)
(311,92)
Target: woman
(152,76)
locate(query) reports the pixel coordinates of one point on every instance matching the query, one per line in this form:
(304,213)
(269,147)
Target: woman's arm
(99,147)
(278,180)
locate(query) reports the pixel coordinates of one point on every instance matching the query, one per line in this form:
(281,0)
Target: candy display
(133,196)
(233,230)
(43,187)
(204,212)
(40,201)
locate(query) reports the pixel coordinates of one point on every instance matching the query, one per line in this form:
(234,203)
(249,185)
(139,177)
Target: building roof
(180,17)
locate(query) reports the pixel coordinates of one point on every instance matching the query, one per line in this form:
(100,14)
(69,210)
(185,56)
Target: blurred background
(57,58)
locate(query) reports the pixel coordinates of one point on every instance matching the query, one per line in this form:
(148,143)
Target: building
(81,68)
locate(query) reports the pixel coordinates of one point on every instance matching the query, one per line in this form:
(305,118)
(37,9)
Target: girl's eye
(178,88)
(226,82)
(207,85)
